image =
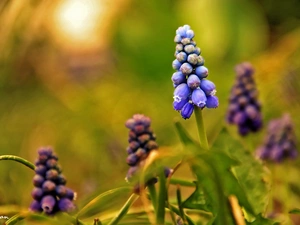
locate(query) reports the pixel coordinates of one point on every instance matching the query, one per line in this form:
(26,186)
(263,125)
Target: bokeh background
(73,71)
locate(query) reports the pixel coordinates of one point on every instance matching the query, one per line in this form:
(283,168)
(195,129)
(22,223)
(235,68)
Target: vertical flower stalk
(280,141)
(244,108)
(192,88)
(50,193)
(141,142)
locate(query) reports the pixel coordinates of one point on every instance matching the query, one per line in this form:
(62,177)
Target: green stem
(18,159)
(124,209)
(182,182)
(153,196)
(162,197)
(201,128)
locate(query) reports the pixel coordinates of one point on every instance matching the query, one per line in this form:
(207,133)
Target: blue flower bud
(212,101)
(177,105)
(186,68)
(197,51)
(186,41)
(181,57)
(48,203)
(178,78)
(177,39)
(132,159)
(193,81)
(182,91)
(192,59)
(201,72)
(187,110)
(199,98)
(179,47)
(200,61)
(189,48)
(181,31)
(176,64)
(41,170)
(208,87)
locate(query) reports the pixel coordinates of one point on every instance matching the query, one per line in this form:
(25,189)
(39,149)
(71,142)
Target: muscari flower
(280,141)
(192,89)
(141,142)
(50,193)
(244,108)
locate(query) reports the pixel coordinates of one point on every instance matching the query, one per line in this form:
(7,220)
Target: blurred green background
(72,72)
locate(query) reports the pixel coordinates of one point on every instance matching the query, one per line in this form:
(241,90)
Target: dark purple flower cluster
(141,143)
(280,142)
(50,193)
(244,109)
(191,86)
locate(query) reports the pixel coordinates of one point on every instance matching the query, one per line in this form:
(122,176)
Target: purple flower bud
(51,163)
(176,64)
(193,81)
(130,123)
(178,78)
(212,101)
(186,68)
(208,87)
(52,174)
(201,72)
(61,179)
(240,118)
(182,91)
(38,180)
(48,186)
(35,206)
(199,98)
(181,57)
(48,203)
(70,194)
(179,104)
(37,193)
(66,205)
(187,110)
(132,159)
(243,130)
(251,111)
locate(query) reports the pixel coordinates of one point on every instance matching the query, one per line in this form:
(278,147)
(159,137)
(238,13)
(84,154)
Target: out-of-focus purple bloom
(190,70)
(244,109)
(280,141)
(141,143)
(49,185)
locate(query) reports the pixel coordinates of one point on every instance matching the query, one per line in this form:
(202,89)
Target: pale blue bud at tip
(208,87)
(212,101)
(178,78)
(190,34)
(201,72)
(193,81)
(182,91)
(199,98)
(177,105)
(187,110)
(177,38)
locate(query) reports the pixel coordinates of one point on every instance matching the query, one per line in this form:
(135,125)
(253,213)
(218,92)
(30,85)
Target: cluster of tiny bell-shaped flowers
(280,141)
(141,142)
(191,86)
(244,108)
(50,193)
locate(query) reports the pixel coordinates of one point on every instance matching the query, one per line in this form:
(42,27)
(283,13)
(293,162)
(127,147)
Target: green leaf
(104,201)
(260,220)
(251,175)
(295,211)
(162,197)
(184,136)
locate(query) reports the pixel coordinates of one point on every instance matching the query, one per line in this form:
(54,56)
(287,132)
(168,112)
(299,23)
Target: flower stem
(124,209)
(201,128)
(18,159)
